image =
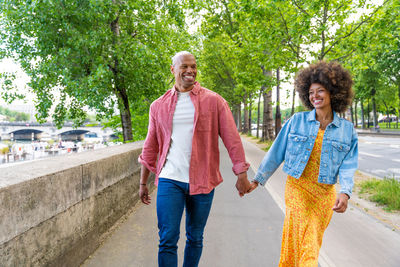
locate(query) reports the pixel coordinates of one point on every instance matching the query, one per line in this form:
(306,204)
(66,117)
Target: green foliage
(373,56)
(385,192)
(98,54)
(114,55)
(4,150)
(12,116)
(268,144)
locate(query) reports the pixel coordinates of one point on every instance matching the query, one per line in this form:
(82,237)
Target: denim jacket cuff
(260,179)
(345,191)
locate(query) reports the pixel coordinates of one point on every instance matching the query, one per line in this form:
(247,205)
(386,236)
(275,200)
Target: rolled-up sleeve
(349,167)
(230,137)
(148,157)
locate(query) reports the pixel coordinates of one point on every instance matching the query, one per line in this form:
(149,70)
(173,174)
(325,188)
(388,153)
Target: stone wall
(54,211)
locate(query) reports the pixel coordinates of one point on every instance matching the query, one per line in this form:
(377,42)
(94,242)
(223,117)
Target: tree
(96,54)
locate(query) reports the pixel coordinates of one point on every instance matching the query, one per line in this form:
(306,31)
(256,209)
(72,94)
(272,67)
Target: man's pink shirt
(212,118)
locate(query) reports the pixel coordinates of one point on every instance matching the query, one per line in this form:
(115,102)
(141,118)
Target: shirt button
(325,165)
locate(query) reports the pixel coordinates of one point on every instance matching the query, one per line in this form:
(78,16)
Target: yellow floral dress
(308,213)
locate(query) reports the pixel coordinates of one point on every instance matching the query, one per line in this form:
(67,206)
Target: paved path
(244,232)
(379,156)
(240,232)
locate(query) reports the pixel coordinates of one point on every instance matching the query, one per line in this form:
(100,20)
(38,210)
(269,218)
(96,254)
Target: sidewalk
(384,132)
(240,232)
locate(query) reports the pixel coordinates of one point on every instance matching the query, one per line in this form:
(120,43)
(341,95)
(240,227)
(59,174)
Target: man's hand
(144,194)
(341,203)
(242,184)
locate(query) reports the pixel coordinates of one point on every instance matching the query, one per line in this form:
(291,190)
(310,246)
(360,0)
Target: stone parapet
(55,211)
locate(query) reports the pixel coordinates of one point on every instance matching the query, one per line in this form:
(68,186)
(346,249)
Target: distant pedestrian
(316,146)
(181,148)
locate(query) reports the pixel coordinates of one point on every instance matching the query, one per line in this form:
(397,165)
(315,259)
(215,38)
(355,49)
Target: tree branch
(287,32)
(357,26)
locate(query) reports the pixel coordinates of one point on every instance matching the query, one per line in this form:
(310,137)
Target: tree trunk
(126,121)
(374,112)
(236,116)
(398,109)
(355,113)
(250,108)
(351,114)
(294,90)
(268,114)
(245,116)
(258,114)
(362,114)
(240,117)
(278,118)
(120,90)
(268,128)
(368,115)
(387,115)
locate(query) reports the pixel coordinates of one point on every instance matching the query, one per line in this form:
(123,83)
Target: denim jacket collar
(336,121)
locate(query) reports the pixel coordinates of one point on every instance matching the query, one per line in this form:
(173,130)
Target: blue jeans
(172,198)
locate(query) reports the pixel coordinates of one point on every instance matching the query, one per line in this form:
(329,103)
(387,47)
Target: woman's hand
(253,186)
(341,203)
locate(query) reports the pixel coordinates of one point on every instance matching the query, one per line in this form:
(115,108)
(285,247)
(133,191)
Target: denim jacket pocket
(339,151)
(296,143)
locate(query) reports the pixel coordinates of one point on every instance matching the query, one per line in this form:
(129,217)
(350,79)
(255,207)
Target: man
(184,126)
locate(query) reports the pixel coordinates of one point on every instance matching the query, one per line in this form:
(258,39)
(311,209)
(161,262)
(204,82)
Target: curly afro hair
(333,77)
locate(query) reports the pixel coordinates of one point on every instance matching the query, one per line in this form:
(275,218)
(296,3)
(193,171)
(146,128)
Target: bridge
(37,131)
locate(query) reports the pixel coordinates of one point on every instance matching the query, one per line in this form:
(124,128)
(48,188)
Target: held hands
(243,185)
(144,194)
(341,203)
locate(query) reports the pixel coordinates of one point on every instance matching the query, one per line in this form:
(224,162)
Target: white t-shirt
(177,164)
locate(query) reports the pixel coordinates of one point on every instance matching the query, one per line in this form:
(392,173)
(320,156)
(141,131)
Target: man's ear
(172,69)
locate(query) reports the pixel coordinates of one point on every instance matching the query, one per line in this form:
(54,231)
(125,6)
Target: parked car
(388,119)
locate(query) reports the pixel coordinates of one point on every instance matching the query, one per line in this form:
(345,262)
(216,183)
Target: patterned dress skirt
(308,213)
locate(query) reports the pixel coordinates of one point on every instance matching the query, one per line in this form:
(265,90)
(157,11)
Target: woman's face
(319,97)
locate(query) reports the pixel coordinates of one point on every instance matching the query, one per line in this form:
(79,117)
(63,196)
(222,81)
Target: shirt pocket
(204,122)
(296,143)
(339,151)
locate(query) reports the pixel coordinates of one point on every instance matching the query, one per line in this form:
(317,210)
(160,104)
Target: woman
(316,146)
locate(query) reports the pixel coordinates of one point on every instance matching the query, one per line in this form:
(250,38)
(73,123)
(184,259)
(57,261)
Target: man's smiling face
(185,71)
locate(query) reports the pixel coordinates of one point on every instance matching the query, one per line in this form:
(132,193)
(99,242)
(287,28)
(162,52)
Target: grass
(385,192)
(265,145)
(268,144)
(384,126)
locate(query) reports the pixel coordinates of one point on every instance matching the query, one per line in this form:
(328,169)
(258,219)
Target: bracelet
(143,184)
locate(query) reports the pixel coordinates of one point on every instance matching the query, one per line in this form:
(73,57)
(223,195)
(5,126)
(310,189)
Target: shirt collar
(311,117)
(195,90)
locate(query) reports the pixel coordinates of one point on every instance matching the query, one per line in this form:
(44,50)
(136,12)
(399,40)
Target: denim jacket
(295,141)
